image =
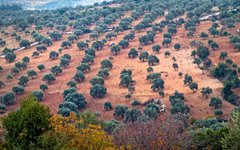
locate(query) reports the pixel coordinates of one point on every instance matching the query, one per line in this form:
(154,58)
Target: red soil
(53,96)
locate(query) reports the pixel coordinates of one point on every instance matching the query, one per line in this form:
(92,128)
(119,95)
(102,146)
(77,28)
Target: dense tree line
(136,131)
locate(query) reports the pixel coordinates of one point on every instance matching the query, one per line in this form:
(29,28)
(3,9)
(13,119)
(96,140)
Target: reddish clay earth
(12,43)
(115,94)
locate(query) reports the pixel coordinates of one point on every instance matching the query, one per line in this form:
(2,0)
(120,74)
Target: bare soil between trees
(115,94)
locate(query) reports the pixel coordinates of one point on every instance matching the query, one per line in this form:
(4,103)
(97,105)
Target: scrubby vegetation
(88,131)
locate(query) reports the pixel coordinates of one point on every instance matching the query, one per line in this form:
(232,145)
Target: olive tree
(203,35)
(216,102)
(133,53)
(2,108)
(43,87)
(223,55)
(66,44)
(88,59)
(175,66)
(8,99)
(73,37)
(66,108)
(188,79)
(156,48)
(146,39)
(126,80)
(84,67)
(166,42)
(110,35)
(47,41)
(79,76)
(2,84)
(172,30)
(10,57)
(120,111)
(32,73)
(167,53)
(135,102)
(177,46)
(197,61)
(78,32)
(213,31)
(2,43)
(71,84)
(218,112)
(9,77)
(82,45)
(98,45)
(64,62)
(38,94)
(15,71)
(53,55)
(49,78)
(132,115)
(193,86)
(150,69)
(97,80)
(23,80)
(143,56)
(26,60)
(35,54)
(106,64)
(67,56)
(152,111)
(41,48)
(55,35)
(152,60)
(118,29)
(98,91)
(18,90)
(206,91)
(18,38)
(24,43)
(77,98)
(115,49)
(108,106)
(93,35)
(123,44)
(56,70)
(60,50)
(152,76)
(214,45)
(41,67)
(157,84)
(91,52)
(20,65)
(129,36)
(104,73)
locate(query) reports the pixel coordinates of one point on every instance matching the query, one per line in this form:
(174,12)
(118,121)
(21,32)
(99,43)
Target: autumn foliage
(91,137)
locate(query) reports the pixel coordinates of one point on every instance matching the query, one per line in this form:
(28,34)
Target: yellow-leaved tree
(67,133)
